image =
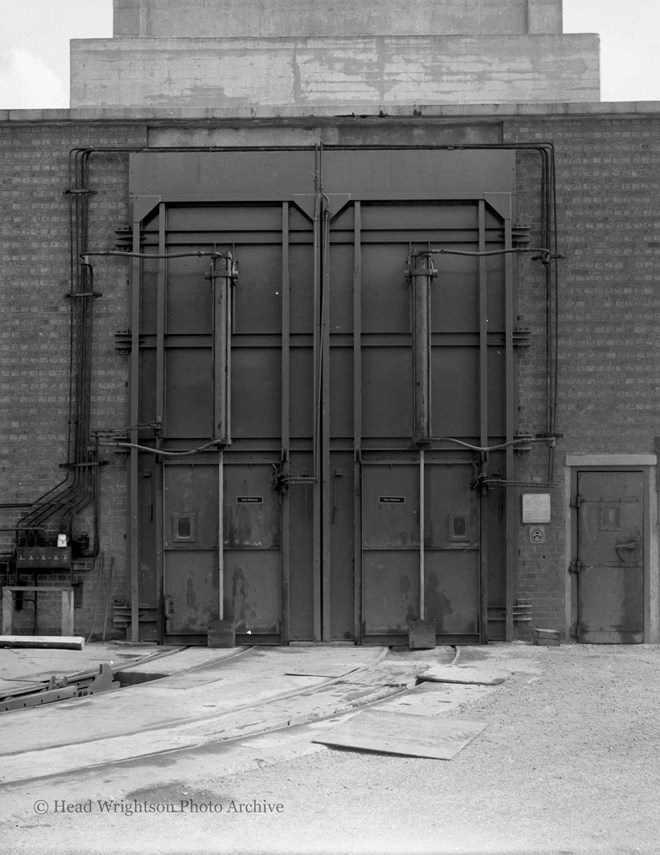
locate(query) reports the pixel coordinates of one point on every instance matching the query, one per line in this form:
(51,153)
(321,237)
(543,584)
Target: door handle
(631,544)
(631,550)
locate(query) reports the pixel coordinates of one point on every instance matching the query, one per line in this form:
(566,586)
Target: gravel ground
(569,763)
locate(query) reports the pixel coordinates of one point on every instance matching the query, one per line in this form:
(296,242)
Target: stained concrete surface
(274,18)
(569,762)
(349,72)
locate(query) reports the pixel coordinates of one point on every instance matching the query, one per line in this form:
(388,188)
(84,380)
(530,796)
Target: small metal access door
(610,557)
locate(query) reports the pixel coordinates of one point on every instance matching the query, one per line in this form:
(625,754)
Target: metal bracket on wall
(124,341)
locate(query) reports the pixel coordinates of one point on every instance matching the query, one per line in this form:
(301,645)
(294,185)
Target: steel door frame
(144,204)
(645,464)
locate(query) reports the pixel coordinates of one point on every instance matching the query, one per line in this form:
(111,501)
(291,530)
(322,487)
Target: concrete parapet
(346,72)
(281,18)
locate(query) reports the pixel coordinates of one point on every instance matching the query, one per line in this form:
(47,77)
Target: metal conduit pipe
(73,493)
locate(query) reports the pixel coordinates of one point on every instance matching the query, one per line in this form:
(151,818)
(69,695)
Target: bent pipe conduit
(80,486)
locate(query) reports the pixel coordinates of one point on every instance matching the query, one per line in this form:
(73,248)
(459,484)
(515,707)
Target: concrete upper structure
(199,19)
(368,56)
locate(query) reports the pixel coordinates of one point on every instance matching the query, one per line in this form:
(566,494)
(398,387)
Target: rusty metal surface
(610,577)
(320,481)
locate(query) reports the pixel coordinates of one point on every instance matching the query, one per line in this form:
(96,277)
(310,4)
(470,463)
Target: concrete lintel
(350,113)
(611,460)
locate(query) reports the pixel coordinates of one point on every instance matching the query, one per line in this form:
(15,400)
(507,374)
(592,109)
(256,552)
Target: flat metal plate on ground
(402,733)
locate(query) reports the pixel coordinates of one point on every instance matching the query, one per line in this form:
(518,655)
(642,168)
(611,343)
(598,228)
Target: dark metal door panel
(451,591)
(251,507)
(610,578)
(451,553)
(191,506)
(189,395)
(256,392)
(390,506)
(253,594)
(190,535)
(390,591)
(191,592)
(342,536)
(393,557)
(454,394)
(388,174)
(302,587)
(252,547)
(452,506)
(391,543)
(247,175)
(387,392)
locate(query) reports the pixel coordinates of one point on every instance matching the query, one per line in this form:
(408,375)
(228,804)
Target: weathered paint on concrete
(359,133)
(346,72)
(265,18)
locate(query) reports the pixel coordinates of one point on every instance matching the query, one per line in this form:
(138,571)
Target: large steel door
(322,351)
(610,557)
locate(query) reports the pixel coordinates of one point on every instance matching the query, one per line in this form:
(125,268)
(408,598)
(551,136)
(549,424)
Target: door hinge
(577,501)
(574,631)
(575,567)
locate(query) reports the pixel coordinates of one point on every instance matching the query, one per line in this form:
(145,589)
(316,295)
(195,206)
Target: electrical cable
(545,252)
(216,443)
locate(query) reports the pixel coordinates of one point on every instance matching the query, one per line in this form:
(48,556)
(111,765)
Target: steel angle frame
(316,207)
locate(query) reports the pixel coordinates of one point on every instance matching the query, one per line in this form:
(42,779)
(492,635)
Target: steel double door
(314,406)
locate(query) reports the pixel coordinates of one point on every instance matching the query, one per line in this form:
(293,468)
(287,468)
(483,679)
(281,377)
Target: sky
(35,34)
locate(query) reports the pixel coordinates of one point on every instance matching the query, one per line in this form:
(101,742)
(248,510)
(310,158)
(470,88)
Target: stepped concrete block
(228,18)
(346,72)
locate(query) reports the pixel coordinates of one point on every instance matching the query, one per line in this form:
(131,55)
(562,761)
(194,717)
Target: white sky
(34,46)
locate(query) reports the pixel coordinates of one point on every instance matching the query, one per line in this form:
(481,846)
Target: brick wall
(608,173)
(608,300)
(34,345)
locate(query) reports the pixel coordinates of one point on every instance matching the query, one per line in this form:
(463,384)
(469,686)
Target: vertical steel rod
(316,424)
(422,525)
(221,537)
(326,524)
(285,426)
(222,325)
(161,316)
(161,327)
(357,420)
(511,496)
(134,530)
(482,284)
(421,273)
